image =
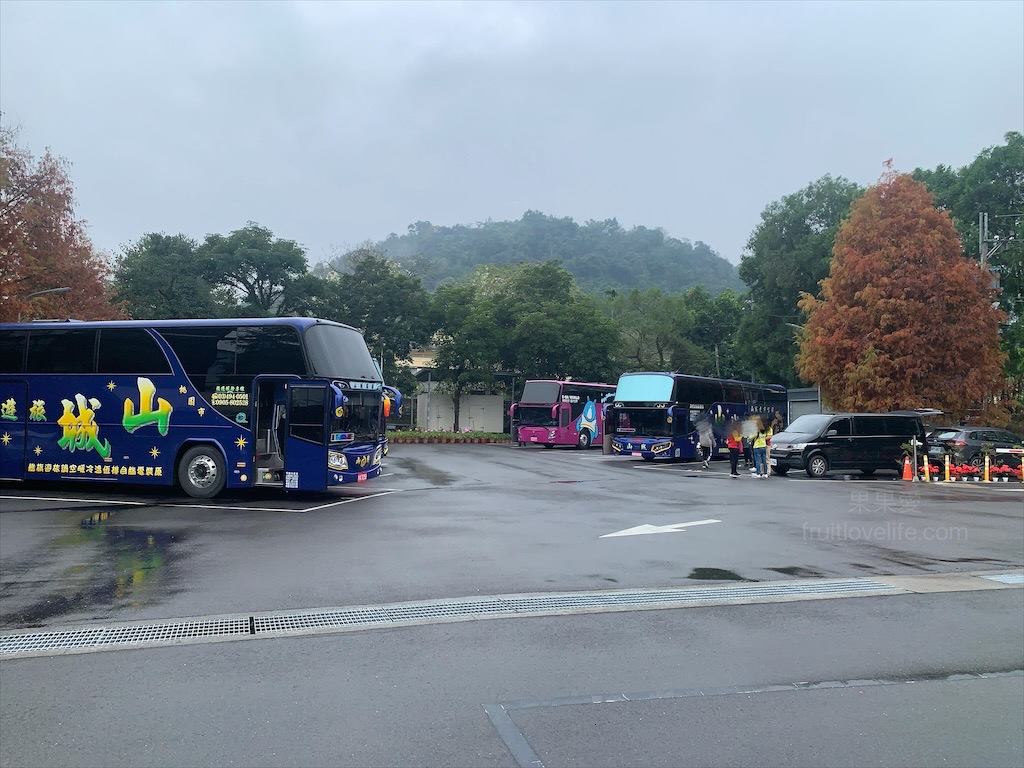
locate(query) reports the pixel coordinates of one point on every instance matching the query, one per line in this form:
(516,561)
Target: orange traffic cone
(908,472)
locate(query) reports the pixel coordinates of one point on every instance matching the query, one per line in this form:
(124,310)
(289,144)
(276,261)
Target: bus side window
(12,351)
(130,350)
(62,351)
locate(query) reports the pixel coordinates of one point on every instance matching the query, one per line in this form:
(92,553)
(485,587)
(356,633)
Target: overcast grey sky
(336,122)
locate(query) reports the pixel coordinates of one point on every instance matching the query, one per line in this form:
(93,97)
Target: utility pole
(984,240)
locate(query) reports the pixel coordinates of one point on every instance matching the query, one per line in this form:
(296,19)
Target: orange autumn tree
(904,320)
(42,245)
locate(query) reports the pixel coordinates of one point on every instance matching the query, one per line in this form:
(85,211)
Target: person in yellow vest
(760,445)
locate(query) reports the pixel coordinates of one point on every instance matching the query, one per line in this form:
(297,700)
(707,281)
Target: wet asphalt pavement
(453,521)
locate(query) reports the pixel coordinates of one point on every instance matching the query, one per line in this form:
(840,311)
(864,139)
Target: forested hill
(600,255)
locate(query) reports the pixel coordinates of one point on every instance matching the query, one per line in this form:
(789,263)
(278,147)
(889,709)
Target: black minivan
(821,442)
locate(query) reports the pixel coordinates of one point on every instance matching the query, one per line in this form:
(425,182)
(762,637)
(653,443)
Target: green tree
(652,330)
(160,276)
(712,336)
(389,305)
(550,328)
(255,265)
(904,320)
(467,341)
(42,245)
(790,252)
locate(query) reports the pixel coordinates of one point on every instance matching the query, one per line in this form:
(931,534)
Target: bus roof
(296,322)
(573,381)
(776,387)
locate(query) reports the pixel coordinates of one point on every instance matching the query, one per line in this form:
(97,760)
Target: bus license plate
(773,462)
(636,453)
(361,477)
(533,439)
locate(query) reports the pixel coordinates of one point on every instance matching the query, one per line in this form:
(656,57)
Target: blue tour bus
(289,402)
(655,415)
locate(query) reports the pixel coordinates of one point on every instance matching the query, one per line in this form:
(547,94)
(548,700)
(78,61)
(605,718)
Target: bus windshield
(644,388)
(338,352)
(650,422)
(536,416)
(359,416)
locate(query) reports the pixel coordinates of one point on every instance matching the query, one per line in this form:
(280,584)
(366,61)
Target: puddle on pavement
(423,471)
(715,574)
(796,570)
(95,567)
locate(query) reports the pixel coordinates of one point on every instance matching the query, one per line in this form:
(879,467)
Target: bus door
(269,423)
(305,448)
(14,410)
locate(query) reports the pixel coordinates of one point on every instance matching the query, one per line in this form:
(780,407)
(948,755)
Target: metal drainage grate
(133,635)
(1007,578)
(397,614)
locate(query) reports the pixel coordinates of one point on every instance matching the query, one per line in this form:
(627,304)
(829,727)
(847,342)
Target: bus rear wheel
(584,441)
(201,472)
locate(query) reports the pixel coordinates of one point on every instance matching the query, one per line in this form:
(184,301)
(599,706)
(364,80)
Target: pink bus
(554,413)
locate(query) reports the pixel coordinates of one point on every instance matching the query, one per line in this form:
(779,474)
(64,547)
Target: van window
(868,425)
(841,426)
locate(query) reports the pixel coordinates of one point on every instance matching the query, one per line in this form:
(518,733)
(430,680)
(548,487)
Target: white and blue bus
(656,415)
(293,403)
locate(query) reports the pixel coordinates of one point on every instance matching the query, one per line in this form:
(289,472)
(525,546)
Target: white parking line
(348,501)
(383,492)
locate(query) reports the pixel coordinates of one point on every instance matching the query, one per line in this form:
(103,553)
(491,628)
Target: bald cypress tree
(903,320)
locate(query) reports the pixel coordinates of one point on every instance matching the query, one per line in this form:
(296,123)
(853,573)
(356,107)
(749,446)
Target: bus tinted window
(540,392)
(644,387)
(307,414)
(61,351)
(12,351)
(269,349)
(203,352)
(339,352)
(130,350)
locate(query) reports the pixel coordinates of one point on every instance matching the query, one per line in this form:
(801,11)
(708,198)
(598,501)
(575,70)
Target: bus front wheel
(201,472)
(584,441)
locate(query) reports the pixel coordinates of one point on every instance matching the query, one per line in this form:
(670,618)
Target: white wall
(479,413)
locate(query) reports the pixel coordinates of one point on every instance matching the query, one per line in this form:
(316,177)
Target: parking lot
(582,545)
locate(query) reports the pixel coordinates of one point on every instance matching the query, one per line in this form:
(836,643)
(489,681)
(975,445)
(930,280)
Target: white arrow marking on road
(640,530)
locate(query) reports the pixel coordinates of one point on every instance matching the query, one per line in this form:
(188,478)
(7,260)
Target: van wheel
(978,461)
(201,472)
(584,441)
(817,466)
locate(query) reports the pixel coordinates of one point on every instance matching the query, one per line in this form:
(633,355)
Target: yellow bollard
(927,469)
(985,477)
(947,467)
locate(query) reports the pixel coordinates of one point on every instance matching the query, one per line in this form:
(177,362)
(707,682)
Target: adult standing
(760,444)
(705,440)
(734,442)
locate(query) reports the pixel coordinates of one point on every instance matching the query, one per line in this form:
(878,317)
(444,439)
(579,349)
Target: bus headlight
(336,460)
(551,434)
(378,455)
(661,447)
(616,445)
